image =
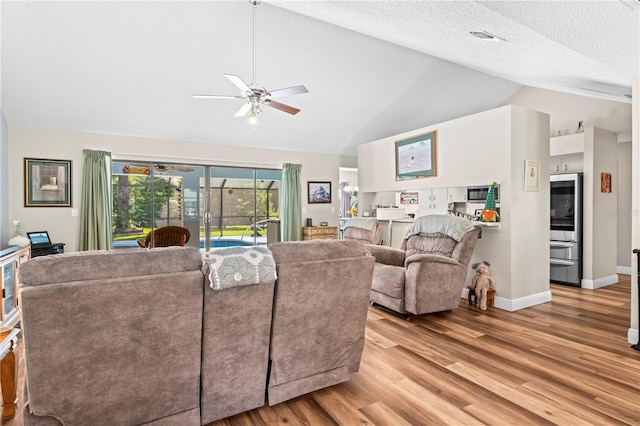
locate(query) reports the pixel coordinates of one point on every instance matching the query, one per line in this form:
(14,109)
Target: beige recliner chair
(427,274)
(367,230)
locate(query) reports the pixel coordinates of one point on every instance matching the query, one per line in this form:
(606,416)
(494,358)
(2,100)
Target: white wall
(68,145)
(635,202)
(5,230)
(462,146)
(529,211)
(623,195)
(477,150)
(599,219)
(566,110)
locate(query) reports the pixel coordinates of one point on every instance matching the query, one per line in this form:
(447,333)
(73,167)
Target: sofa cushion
(319,315)
(302,251)
(109,264)
(235,349)
(121,350)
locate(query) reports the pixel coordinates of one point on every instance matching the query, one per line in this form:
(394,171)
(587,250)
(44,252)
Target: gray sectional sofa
(159,337)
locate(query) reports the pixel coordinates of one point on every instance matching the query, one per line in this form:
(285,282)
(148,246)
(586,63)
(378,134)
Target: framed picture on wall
(416,157)
(47,183)
(605,182)
(531,175)
(409,197)
(319,192)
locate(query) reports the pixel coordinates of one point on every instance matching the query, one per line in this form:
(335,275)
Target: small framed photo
(531,176)
(324,223)
(47,183)
(416,157)
(319,192)
(409,197)
(605,182)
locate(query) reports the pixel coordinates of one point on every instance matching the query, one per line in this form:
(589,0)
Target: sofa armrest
(387,255)
(433,283)
(428,257)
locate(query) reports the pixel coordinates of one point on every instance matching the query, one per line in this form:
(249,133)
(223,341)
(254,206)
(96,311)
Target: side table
(9,358)
(319,233)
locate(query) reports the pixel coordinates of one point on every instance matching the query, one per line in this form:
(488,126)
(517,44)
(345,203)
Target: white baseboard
(512,305)
(632,336)
(599,283)
(626,270)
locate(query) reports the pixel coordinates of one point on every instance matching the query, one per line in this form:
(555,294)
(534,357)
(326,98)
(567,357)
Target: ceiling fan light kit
(254,94)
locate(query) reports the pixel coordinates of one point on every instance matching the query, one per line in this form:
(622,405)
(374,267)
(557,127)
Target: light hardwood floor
(566,362)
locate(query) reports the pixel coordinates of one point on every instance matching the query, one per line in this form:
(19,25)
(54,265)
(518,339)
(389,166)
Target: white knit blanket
(237,266)
(454,226)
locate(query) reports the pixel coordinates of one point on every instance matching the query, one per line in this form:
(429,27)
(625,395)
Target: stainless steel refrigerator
(566,229)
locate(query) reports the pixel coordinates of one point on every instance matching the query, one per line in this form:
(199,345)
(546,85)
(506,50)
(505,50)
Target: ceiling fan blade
(238,82)
(288,91)
(282,107)
(218,97)
(243,110)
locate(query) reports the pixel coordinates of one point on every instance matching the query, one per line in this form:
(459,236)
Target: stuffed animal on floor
(481,283)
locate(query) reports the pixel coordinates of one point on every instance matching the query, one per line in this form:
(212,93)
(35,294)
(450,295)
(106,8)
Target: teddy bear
(481,283)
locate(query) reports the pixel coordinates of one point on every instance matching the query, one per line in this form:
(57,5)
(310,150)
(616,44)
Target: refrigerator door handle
(562,244)
(562,262)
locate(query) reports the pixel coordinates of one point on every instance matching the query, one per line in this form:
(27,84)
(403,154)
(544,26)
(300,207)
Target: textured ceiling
(584,47)
(373,69)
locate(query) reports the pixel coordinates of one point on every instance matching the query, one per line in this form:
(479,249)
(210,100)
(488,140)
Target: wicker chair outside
(165,237)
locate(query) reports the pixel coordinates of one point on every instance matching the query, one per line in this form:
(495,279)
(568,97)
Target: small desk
(9,358)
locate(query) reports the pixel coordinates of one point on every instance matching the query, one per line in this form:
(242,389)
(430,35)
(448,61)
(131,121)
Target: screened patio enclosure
(221,206)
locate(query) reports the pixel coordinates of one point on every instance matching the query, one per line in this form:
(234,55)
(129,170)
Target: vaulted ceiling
(373,69)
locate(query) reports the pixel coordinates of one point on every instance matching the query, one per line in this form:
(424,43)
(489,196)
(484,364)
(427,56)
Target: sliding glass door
(242,204)
(221,206)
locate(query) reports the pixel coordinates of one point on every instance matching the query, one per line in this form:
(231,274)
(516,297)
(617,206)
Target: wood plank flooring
(566,362)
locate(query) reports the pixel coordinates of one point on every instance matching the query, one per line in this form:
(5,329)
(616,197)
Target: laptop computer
(39,239)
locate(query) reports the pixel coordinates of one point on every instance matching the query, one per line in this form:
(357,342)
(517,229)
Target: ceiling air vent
(631,4)
(486,36)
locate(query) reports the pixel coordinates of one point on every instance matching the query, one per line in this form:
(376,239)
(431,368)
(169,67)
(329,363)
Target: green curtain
(291,202)
(96,209)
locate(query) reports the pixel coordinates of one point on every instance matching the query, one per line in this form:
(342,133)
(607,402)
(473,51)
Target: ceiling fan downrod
(255,4)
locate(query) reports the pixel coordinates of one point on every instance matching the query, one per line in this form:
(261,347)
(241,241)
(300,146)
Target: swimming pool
(227,243)
(215,242)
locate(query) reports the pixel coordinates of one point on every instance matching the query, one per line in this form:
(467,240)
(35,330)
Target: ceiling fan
(254,94)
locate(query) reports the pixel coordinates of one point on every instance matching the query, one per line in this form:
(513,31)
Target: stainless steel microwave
(478,194)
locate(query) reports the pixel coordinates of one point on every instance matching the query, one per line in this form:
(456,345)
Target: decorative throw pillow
(237,266)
